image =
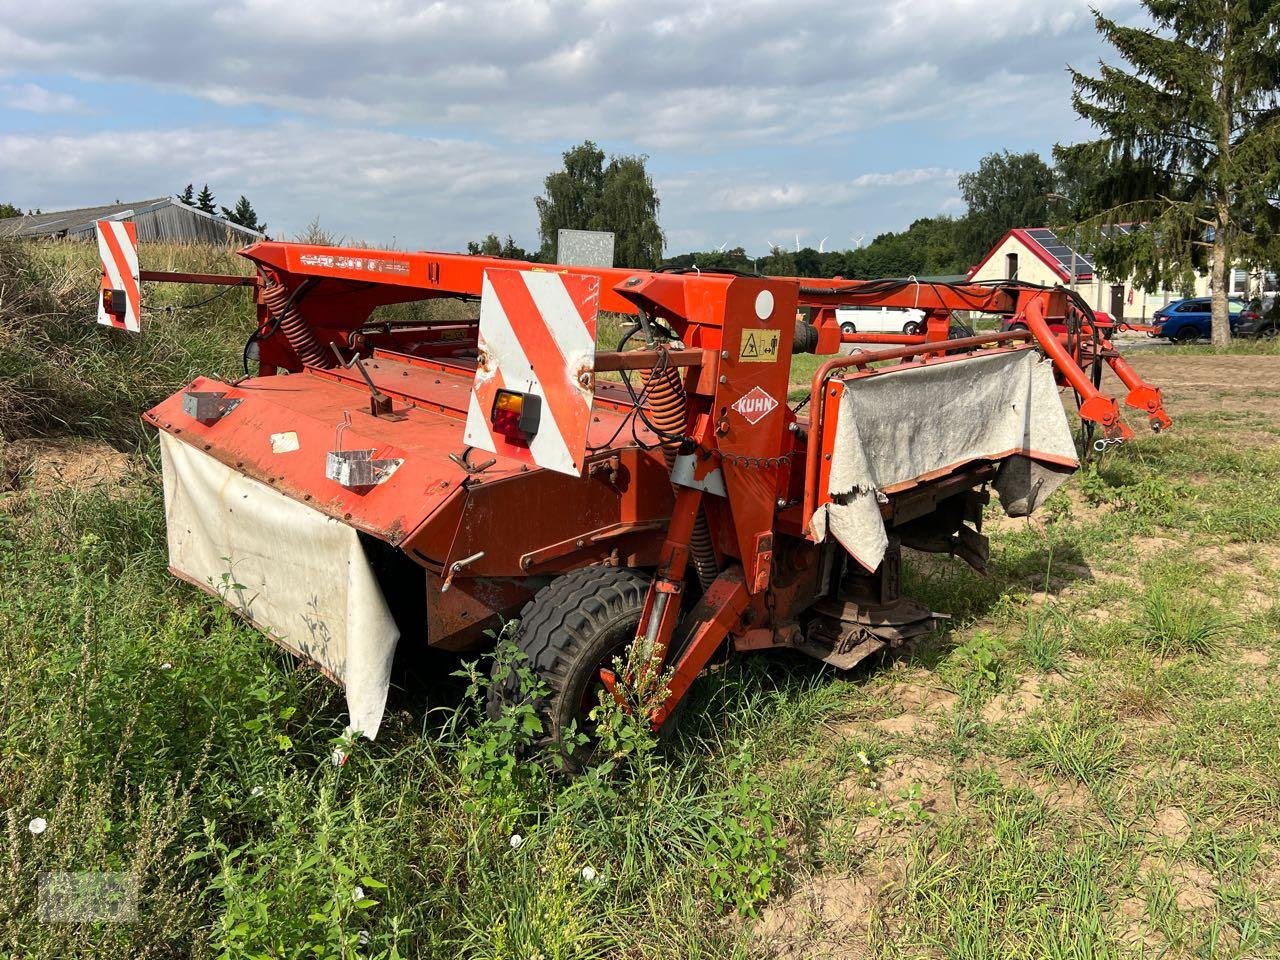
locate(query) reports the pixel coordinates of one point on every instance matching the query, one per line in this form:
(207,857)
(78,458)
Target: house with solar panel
(1039,255)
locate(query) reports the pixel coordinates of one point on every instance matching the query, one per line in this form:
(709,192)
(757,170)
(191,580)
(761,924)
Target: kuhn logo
(755,405)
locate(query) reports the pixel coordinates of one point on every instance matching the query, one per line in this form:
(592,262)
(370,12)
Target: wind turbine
(823,241)
(857,241)
(722,246)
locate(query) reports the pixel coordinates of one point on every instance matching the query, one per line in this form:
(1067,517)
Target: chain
(751,463)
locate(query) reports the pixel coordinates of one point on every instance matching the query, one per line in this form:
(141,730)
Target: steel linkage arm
(1094,405)
(1141,396)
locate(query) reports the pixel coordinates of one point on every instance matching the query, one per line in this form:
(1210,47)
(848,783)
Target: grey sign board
(584,248)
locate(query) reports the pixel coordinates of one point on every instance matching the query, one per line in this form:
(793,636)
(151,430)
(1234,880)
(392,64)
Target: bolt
(584,379)
(724,379)
(793,427)
(781,504)
(827,457)
(724,354)
(581,543)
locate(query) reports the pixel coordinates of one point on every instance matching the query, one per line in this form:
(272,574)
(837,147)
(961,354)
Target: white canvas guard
(295,573)
(900,426)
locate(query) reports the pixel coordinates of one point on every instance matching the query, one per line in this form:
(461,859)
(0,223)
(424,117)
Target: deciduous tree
(588,194)
(1007,190)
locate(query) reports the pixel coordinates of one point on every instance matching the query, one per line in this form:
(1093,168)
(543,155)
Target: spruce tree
(245,215)
(1190,144)
(205,200)
(188,195)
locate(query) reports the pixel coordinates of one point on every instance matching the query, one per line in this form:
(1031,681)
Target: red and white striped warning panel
(120,302)
(535,379)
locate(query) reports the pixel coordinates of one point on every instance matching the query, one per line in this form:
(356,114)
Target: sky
(425,125)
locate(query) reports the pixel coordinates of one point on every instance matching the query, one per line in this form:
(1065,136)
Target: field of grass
(1085,763)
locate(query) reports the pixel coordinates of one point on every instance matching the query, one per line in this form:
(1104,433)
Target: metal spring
(295,328)
(666,406)
(668,410)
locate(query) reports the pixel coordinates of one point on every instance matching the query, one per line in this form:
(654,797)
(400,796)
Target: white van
(880,320)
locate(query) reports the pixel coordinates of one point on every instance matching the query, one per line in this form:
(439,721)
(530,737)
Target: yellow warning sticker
(759,346)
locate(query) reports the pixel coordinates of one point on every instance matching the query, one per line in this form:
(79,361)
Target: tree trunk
(1220,278)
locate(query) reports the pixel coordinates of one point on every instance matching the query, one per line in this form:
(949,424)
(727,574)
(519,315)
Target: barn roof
(160,218)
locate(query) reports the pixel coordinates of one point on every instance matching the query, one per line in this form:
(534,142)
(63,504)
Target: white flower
(339,756)
(588,874)
(357,893)
(166,665)
(866,761)
(362,938)
(516,841)
(255,792)
(38,826)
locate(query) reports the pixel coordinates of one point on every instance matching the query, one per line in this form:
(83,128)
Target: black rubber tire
(911,328)
(571,628)
(848,327)
(1186,335)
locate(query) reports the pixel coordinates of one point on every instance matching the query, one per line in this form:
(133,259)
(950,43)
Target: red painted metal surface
(486,523)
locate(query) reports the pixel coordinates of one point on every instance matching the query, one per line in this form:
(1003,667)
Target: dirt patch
(1172,823)
(1025,699)
(46,465)
(830,918)
(1212,384)
(921,706)
(1194,887)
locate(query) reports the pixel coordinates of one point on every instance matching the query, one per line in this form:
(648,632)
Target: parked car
(1261,321)
(1184,321)
(880,320)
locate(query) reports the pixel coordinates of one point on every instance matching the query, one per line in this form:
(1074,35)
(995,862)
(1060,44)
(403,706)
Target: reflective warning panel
(535,381)
(120,300)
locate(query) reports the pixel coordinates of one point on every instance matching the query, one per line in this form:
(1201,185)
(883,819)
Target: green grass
(1083,764)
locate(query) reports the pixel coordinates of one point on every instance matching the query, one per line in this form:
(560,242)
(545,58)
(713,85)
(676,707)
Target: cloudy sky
(425,124)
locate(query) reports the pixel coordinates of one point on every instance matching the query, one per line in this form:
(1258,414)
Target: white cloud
(367,184)
(660,74)
(759,197)
(36,99)
(434,123)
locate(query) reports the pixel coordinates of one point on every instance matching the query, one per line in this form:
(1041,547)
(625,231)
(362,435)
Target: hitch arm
(1094,406)
(1142,396)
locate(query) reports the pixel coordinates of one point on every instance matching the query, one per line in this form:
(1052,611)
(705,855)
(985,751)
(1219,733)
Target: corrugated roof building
(162,220)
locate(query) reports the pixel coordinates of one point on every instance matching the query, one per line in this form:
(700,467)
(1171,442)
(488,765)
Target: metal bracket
(356,468)
(379,402)
(683,472)
(463,460)
(359,468)
(457,567)
(207,406)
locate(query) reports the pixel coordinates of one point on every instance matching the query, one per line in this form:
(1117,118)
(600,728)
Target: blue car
(1185,321)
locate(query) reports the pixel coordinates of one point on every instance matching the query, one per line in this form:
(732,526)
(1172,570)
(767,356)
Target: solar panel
(1048,240)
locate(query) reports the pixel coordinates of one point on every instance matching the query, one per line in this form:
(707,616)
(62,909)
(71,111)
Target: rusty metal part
(667,410)
(496,530)
(844,634)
